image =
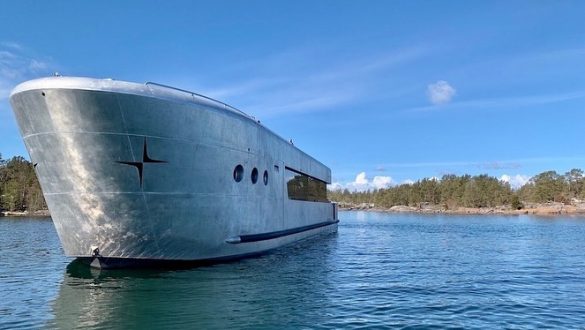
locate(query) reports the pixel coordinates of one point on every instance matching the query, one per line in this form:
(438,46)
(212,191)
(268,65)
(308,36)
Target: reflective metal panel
(141,172)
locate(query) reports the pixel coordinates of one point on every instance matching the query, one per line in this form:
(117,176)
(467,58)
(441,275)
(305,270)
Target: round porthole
(254,175)
(238,173)
(265,178)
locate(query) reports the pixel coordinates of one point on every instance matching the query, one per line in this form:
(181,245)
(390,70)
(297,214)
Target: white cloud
(9,44)
(335,186)
(518,102)
(381,182)
(515,181)
(360,179)
(508,164)
(362,183)
(380,168)
(440,92)
(294,82)
(36,65)
(16,66)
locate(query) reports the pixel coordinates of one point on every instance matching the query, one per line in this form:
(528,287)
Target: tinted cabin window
(305,188)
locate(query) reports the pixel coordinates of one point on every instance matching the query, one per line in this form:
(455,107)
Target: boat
(147,174)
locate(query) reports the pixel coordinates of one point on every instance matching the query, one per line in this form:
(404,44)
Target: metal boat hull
(132,171)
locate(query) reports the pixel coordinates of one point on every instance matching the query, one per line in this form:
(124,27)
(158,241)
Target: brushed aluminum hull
(145,172)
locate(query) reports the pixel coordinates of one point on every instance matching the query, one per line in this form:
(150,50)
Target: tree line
(19,187)
(452,191)
(20,190)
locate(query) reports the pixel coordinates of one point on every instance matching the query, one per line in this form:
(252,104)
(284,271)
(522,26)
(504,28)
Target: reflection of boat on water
(289,287)
(140,173)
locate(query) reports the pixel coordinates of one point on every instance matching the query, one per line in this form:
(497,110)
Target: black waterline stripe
(281,233)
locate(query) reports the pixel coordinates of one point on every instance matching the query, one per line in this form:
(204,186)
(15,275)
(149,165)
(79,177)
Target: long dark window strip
(299,172)
(305,188)
(281,233)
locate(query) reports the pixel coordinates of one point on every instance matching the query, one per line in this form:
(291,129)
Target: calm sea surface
(379,270)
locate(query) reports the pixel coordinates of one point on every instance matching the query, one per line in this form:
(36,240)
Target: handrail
(200,95)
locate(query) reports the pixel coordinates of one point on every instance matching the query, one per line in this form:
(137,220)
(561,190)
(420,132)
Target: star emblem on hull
(140,165)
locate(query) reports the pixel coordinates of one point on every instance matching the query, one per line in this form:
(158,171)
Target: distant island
(545,193)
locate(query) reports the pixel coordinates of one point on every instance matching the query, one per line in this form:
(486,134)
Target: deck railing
(193,94)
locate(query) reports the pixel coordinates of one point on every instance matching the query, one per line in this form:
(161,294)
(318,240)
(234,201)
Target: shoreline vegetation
(547,193)
(20,192)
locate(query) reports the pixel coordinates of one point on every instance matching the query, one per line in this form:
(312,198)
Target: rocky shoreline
(39,213)
(576,208)
(548,209)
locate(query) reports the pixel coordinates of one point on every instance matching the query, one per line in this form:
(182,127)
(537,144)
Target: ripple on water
(380,270)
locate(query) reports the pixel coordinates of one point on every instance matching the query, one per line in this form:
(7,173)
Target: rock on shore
(551,208)
(39,213)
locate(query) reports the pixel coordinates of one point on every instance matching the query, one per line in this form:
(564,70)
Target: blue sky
(383,92)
